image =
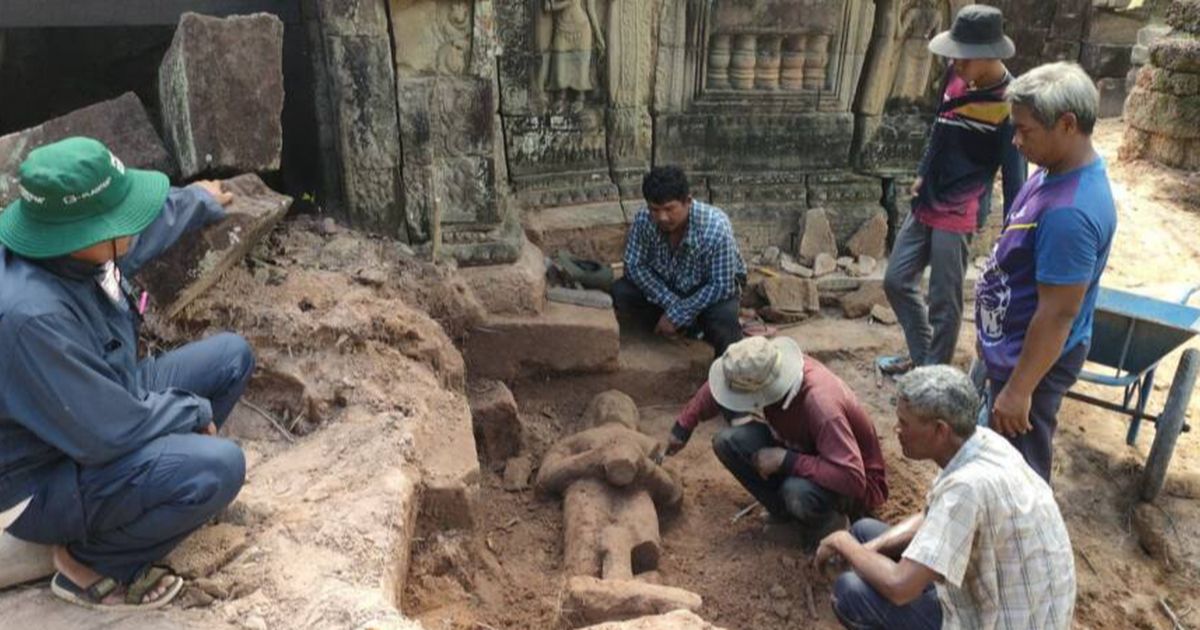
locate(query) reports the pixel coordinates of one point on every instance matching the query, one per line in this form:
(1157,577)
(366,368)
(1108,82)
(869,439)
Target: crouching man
(813,459)
(990,551)
(111,460)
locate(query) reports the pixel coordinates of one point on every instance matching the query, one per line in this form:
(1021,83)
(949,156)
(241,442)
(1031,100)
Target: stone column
(718,62)
(743,61)
(630,68)
(791,74)
(816,61)
(766,74)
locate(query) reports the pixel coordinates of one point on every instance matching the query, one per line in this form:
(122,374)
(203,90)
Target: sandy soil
(508,575)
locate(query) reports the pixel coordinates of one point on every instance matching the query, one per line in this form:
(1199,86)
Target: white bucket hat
(756,372)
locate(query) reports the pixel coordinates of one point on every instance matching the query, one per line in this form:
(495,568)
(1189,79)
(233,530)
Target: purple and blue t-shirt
(1059,232)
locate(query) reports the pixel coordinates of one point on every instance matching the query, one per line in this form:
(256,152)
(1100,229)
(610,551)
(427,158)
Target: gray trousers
(930,329)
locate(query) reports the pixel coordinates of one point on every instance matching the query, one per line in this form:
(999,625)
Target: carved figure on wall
(920,20)
(568,34)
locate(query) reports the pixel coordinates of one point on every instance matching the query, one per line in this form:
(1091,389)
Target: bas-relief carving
(567,33)
(432,36)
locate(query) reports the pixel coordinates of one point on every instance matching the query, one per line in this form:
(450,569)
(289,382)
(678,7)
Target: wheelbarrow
(1131,334)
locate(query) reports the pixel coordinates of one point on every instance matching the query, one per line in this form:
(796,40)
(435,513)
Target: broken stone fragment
(824,265)
(864,266)
(121,124)
(791,294)
(516,473)
(498,429)
(199,258)
(789,265)
(220,86)
(517,288)
(883,314)
(818,237)
(870,239)
(860,302)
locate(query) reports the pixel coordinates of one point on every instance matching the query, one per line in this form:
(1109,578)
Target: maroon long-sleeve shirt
(832,439)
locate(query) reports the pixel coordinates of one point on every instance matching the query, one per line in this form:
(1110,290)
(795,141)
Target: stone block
(220,87)
(824,265)
(817,236)
(883,314)
(792,294)
(591,298)
(496,419)
(562,339)
(1138,144)
(121,124)
(1164,114)
(515,289)
(1180,55)
(1185,16)
(594,231)
(1105,60)
(870,239)
(859,303)
(198,259)
(591,600)
(516,473)
(449,471)
(612,406)
(22,561)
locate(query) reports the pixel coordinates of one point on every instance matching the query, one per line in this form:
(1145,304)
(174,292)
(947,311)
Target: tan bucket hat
(756,372)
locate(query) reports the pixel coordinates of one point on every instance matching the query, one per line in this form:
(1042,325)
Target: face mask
(109,277)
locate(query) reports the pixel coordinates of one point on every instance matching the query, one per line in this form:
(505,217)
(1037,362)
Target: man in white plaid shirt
(991,550)
(683,269)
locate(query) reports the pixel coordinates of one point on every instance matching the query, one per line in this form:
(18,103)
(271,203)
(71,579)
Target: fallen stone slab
(674,620)
(818,237)
(859,303)
(449,470)
(22,561)
(590,298)
(497,424)
(562,339)
(518,288)
(220,86)
(870,239)
(121,124)
(790,293)
(591,600)
(197,261)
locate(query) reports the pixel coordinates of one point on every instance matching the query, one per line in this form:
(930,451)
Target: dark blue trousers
(860,607)
(138,507)
(719,322)
(814,508)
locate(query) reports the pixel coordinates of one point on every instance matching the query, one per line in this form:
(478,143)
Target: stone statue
(920,20)
(574,32)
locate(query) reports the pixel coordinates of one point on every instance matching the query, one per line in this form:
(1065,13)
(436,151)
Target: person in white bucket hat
(814,456)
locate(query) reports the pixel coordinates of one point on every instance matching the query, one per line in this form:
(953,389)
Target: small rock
(254,622)
(781,609)
(405,251)
(211,587)
(516,473)
(864,266)
(371,277)
(871,237)
(196,598)
(824,265)
(770,256)
(818,236)
(778,592)
(883,314)
(845,262)
(795,268)
(328,227)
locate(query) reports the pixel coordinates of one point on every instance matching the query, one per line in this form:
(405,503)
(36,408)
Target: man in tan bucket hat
(812,457)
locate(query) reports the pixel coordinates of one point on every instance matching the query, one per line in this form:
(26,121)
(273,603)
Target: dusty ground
(735,565)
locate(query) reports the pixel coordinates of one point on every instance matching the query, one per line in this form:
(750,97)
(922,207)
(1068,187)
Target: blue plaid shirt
(700,273)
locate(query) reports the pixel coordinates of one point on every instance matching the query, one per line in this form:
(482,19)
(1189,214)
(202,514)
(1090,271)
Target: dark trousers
(719,322)
(812,506)
(930,328)
(860,607)
(138,507)
(1037,445)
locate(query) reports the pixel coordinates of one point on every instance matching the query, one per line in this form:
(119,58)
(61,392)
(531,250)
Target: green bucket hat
(75,193)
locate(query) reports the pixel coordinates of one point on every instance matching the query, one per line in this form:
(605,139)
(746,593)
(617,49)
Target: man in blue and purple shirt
(1034,302)
(683,268)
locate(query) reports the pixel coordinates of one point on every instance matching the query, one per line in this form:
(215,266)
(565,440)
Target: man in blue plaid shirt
(683,270)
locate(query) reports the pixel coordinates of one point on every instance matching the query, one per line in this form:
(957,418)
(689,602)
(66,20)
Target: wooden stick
(1171,614)
(270,418)
(743,512)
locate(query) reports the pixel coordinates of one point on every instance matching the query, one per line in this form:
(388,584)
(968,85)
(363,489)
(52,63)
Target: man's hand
(828,549)
(768,461)
(665,327)
(1010,412)
(674,445)
(916,187)
(209,429)
(213,187)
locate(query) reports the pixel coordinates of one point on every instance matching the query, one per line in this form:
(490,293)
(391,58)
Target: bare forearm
(1048,332)
(883,574)
(895,540)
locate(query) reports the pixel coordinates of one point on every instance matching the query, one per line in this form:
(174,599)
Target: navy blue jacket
(70,391)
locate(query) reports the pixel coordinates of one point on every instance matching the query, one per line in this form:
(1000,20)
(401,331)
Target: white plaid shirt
(994,533)
(687,280)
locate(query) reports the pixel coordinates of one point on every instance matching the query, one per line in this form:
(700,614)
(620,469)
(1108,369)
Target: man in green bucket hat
(110,460)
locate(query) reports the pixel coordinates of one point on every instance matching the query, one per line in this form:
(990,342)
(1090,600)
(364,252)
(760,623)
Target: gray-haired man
(991,549)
